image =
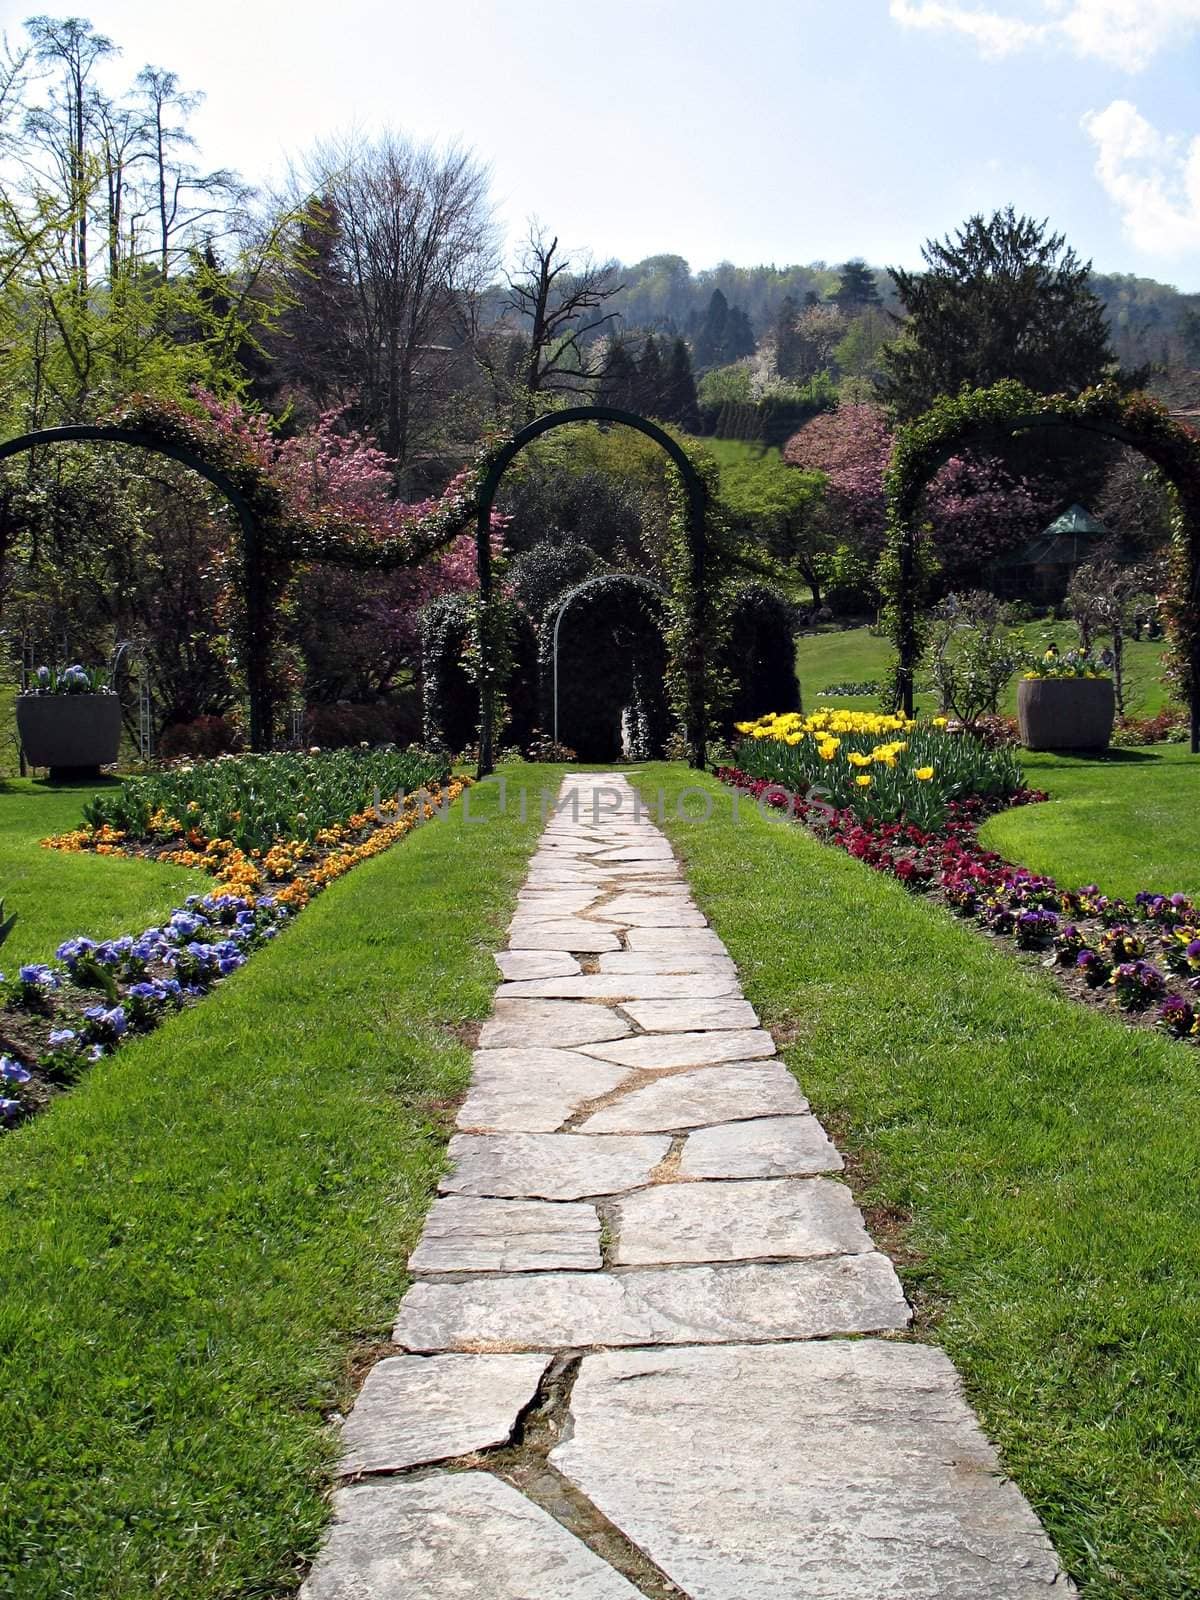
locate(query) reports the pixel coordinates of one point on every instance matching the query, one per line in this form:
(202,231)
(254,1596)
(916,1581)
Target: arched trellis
(250,490)
(690,595)
(601,578)
(257,620)
(984,419)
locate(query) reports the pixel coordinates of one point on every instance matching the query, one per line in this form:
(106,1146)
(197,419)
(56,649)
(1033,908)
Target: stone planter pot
(1066,713)
(72,734)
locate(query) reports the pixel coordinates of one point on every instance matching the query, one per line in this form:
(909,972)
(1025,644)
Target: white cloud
(1124,33)
(995,35)
(1153,178)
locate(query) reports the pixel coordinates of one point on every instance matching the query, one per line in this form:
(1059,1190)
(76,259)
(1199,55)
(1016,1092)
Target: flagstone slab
(689,989)
(549,1166)
(636,852)
(556,902)
(762,1147)
(667,1014)
(464,1233)
(560,933)
(706,1095)
(522,1023)
(649,961)
(454,1536)
(848,1470)
(533,1090)
(653,1052)
(414,1409)
(772,1218)
(521,965)
(675,941)
(667,915)
(655,1305)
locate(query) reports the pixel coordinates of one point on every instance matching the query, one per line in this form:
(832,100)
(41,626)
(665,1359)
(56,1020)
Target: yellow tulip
(924,773)
(864,781)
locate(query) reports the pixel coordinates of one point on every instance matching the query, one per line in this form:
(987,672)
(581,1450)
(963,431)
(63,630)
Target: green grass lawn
(1032,1163)
(855,655)
(203,1235)
(1127,820)
(56,895)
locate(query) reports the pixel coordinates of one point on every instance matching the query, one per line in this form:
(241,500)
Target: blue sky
(765,131)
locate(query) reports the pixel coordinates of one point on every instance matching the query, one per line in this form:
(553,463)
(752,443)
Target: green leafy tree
(778,510)
(787,340)
(619,381)
(856,290)
(1001,298)
(650,380)
(681,404)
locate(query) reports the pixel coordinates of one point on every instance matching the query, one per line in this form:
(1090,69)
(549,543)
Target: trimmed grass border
(206,1234)
(1128,820)
(56,896)
(1032,1165)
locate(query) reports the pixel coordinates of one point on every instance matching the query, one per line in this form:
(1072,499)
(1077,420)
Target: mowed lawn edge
(1125,820)
(1033,1165)
(57,894)
(205,1234)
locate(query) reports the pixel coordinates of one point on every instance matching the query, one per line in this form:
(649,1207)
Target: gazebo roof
(1065,542)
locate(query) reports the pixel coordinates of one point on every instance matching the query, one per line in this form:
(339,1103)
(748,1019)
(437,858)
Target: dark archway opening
(760,655)
(612,660)
(689,581)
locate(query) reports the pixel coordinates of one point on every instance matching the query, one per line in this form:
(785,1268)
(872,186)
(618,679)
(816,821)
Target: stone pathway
(626,1364)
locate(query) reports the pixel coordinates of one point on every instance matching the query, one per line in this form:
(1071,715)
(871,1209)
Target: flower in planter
(73,679)
(1137,983)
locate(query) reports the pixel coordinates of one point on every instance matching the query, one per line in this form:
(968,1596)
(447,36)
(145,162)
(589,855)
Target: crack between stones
(524,1464)
(609,1240)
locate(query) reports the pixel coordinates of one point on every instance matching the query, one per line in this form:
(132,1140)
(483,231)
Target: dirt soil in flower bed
(1044,925)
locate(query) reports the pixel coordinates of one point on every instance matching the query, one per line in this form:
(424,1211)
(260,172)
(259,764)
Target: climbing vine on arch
(984,419)
(276,532)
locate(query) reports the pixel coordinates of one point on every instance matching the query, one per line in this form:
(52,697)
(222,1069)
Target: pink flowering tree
(354,633)
(978,509)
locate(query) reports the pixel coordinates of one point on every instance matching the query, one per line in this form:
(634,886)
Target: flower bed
(252,822)
(58,1017)
(886,768)
(1142,958)
(254,801)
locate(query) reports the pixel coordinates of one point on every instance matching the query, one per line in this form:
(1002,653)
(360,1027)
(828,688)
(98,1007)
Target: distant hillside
(1151,322)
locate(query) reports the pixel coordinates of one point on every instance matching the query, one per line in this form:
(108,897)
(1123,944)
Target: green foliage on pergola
(984,420)
(274,535)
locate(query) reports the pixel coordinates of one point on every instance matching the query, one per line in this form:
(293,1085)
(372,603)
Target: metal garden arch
(983,418)
(695,601)
(252,553)
(255,556)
